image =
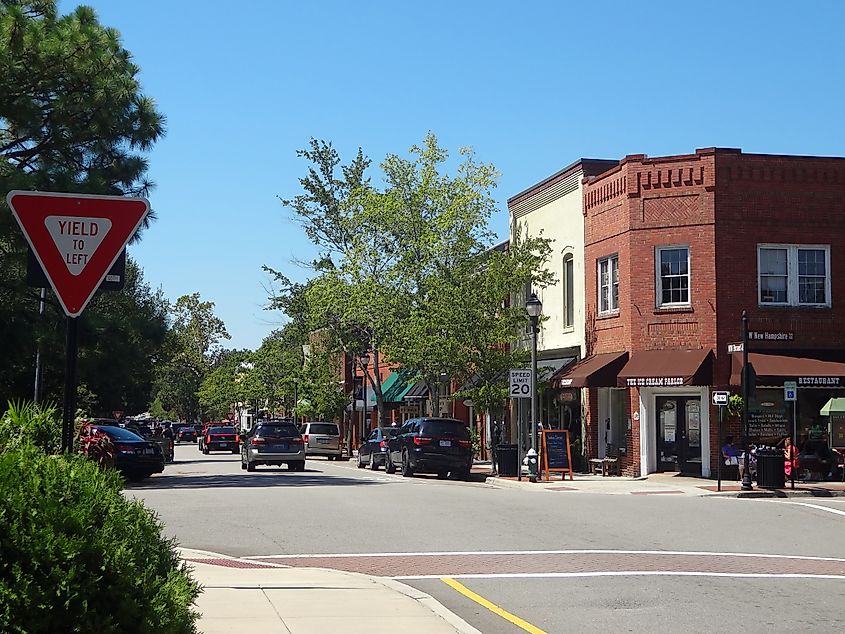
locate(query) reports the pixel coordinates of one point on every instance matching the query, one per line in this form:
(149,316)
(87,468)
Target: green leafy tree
(192,348)
(72,118)
(407,271)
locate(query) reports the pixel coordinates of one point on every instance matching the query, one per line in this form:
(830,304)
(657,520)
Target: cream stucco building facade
(554,208)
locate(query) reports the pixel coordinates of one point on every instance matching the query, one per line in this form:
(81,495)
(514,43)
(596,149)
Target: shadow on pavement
(258,479)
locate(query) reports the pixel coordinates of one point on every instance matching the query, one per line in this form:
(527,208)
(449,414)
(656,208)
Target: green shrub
(76,556)
(25,423)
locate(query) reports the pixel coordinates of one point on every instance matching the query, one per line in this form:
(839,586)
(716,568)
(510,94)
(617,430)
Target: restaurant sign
(820,381)
(655,381)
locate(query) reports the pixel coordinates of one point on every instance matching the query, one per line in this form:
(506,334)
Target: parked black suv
(431,445)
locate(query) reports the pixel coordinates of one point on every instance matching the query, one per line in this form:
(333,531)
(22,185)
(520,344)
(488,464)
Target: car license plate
(445,443)
(323,441)
(224,444)
(149,451)
(279,448)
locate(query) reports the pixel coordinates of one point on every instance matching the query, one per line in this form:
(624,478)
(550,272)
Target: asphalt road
(561,561)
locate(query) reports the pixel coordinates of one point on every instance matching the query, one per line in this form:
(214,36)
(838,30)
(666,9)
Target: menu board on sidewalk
(556,457)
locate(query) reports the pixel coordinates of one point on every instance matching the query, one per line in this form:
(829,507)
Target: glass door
(679,434)
(668,441)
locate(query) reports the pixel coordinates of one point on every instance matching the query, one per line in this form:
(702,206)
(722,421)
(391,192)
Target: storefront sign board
(556,456)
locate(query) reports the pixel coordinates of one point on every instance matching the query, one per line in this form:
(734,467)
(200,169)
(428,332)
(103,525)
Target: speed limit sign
(520,384)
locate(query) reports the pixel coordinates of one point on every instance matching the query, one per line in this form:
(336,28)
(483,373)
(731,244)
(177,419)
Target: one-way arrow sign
(76,238)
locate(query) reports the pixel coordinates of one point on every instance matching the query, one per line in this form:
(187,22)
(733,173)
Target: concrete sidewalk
(240,595)
(664,484)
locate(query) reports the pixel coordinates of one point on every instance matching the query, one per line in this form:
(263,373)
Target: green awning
(396,386)
(834,407)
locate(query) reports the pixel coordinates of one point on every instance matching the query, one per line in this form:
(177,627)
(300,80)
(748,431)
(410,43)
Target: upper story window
(673,276)
(793,275)
(568,292)
(609,284)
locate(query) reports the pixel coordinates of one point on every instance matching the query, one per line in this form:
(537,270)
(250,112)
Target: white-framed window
(608,287)
(568,292)
(672,287)
(793,275)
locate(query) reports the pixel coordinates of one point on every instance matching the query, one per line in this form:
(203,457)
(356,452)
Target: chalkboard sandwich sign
(556,456)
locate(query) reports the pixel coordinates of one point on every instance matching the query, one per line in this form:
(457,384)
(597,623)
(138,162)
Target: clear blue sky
(531,86)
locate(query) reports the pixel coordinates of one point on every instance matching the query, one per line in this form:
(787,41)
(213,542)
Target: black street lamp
(746,376)
(365,361)
(534,308)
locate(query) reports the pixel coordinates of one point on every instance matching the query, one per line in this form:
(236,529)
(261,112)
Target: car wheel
(465,473)
(250,466)
(235,451)
(390,467)
(360,461)
(300,466)
(407,471)
(442,475)
(373,463)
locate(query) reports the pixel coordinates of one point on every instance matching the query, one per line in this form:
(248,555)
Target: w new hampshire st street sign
(76,238)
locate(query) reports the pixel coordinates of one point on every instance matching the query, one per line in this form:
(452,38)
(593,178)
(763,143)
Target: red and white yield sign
(76,238)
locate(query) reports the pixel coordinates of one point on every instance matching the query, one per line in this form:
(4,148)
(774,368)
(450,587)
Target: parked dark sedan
(135,457)
(431,445)
(374,451)
(186,434)
(220,439)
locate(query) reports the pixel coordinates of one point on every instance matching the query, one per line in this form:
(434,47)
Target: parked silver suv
(273,443)
(321,439)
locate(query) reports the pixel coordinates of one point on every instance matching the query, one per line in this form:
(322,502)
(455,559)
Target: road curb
(429,602)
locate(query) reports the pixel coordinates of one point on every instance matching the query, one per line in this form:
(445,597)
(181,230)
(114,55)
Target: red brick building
(675,249)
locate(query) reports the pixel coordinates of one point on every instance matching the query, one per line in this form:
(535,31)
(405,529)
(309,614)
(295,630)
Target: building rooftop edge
(592,165)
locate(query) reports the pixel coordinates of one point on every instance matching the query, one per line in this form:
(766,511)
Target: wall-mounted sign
(655,381)
(735,347)
(820,381)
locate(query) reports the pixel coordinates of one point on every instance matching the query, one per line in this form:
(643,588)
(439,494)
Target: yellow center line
(525,625)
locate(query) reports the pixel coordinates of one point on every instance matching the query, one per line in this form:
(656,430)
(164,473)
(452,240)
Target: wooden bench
(609,465)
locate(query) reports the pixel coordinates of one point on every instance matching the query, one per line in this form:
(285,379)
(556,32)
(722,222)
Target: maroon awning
(599,370)
(667,368)
(774,369)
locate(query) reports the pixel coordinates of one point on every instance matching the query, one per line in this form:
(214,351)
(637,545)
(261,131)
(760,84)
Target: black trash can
(770,472)
(508,460)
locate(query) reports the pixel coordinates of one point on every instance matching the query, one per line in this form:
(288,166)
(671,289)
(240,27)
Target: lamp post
(534,307)
(365,361)
(746,472)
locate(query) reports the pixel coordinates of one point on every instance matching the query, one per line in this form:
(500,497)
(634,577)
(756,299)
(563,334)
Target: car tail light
(423,440)
(258,440)
(383,444)
(121,448)
(298,441)
(305,438)
(208,438)
(463,443)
